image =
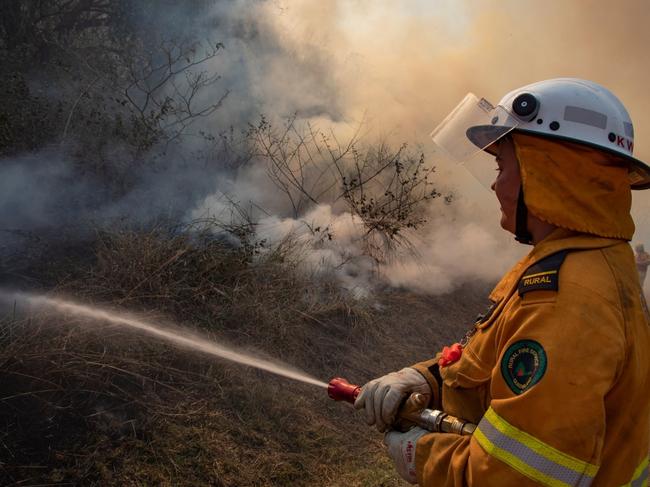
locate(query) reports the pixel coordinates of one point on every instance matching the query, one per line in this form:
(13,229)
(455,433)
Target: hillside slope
(90,404)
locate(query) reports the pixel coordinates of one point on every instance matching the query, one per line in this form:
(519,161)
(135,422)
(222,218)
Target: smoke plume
(397,68)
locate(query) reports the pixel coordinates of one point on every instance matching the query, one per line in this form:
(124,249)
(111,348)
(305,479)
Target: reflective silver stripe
(640,475)
(642,480)
(532,459)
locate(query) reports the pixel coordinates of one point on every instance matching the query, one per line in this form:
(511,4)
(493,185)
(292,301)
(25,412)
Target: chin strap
(522,235)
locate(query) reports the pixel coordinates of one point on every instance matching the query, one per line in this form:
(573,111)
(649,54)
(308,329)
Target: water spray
(185,339)
(412,413)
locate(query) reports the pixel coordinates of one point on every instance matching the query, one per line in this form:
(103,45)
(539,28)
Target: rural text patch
(543,275)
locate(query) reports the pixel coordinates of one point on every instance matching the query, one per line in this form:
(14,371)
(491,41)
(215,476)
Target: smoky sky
(397,67)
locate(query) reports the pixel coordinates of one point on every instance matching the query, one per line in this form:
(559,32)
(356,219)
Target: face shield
(470,128)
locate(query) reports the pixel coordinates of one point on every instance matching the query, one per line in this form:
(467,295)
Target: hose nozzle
(340,389)
(412,413)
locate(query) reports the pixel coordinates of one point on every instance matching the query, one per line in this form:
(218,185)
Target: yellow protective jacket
(556,375)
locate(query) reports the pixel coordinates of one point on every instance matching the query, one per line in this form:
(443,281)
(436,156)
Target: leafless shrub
(386,188)
(162,88)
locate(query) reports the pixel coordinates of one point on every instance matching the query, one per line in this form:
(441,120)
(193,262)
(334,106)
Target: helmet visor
(471,127)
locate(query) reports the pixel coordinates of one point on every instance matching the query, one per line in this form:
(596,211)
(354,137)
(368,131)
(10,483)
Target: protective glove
(401,448)
(382,397)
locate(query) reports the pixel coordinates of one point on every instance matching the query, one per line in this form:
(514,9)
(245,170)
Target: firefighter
(556,372)
(642,262)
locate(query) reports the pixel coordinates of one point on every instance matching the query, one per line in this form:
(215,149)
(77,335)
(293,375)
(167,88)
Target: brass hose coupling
(412,413)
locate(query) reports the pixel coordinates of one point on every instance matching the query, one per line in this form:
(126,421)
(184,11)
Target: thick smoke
(402,67)
(398,67)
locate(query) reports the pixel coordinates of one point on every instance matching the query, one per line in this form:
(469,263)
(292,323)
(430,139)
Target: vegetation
(109,87)
(96,405)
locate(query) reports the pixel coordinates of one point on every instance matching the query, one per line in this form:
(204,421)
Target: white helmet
(565,108)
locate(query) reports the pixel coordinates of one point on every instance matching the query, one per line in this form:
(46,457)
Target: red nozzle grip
(340,389)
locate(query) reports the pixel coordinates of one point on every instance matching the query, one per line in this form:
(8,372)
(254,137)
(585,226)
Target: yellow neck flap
(575,187)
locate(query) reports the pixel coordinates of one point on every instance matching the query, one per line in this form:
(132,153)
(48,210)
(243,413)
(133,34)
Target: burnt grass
(91,404)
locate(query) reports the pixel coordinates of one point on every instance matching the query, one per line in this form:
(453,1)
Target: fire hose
(412,413)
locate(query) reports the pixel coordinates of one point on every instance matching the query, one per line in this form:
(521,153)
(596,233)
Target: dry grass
(91,405)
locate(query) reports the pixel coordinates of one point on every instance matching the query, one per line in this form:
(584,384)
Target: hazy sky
(403,65)
(395,66)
